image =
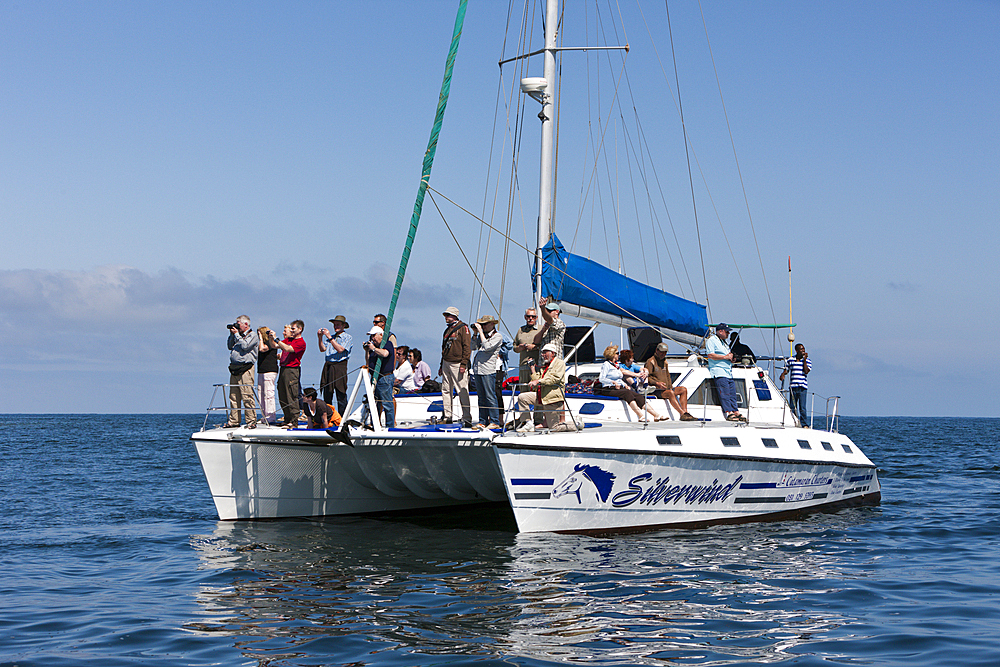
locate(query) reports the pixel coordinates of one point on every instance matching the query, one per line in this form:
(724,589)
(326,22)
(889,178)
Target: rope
(426,174)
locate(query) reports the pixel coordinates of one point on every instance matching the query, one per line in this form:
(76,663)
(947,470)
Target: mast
(547,117)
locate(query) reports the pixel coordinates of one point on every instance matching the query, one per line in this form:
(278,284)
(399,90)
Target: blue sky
(169,166)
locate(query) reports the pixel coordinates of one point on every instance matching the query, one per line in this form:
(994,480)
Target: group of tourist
(485,346)
(278,365)
(626,380)
(478,351)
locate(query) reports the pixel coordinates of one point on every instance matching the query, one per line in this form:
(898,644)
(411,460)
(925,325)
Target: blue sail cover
(583,282)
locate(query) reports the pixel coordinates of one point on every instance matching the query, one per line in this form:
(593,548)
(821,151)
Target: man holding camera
(383,385)
(337,347)
(243,343)
(289,387)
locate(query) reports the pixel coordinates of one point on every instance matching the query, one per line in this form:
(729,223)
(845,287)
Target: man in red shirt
(289,390)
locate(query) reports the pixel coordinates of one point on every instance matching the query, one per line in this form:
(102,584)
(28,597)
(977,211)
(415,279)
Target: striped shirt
(555,334)
(797,368)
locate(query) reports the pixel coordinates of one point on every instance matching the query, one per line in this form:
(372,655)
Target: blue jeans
(486,395)
(797,399)
(727,393)
(383,396)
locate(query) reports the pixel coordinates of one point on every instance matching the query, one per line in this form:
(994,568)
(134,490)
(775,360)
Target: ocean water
(111,554)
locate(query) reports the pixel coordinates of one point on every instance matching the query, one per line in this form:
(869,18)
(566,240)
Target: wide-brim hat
(486,319)
(451,310)
(550,347)
(342,320)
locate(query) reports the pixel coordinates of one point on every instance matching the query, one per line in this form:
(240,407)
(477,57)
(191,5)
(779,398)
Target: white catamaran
(611,474)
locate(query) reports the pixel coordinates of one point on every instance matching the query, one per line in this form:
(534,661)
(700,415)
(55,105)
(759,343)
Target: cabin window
(591,408)
(763,391)
(827,446)
(706,394)
(436,406)
(730,442)
(770,443)
(668,439)
(847,448)
(804,444)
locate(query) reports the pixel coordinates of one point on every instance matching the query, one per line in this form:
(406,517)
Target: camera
(232,326)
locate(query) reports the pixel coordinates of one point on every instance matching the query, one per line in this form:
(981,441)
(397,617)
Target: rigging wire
(739,171)
(687,153)
(431,191)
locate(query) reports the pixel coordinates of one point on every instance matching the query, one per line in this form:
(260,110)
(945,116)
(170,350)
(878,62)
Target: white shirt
(405,374)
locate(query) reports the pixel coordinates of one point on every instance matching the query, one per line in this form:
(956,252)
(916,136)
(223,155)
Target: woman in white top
(403,375)
(612,383)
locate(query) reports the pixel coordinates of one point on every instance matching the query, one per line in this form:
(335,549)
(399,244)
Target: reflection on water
(352,589)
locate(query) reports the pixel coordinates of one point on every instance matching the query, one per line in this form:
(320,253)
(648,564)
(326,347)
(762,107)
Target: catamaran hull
(599,492)
(270,474)
(621,480)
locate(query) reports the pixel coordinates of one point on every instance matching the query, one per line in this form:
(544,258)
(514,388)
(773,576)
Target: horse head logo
(601,479)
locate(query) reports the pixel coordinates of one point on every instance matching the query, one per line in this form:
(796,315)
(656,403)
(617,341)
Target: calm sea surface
(111,554)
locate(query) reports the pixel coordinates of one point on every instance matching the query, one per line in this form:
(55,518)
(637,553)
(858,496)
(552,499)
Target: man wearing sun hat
(486,341)
(456,346)
(337,348)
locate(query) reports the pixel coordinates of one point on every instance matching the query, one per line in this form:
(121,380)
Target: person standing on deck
(798,386)
(554,329)
(383,384)
(243,342)
(456,347)
(334,376)
(524,345)
(267,374)
(720,367)
(289,377)
(379,321)
(485,342)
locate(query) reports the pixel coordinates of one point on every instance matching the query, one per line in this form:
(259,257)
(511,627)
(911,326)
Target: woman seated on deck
(612,383)
(626,362)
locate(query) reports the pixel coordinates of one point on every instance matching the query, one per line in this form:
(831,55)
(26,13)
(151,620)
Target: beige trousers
(451,381)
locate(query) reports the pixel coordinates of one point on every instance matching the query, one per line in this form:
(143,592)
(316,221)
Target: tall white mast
(547,116)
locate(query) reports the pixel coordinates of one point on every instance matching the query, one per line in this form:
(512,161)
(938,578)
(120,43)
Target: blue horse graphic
(601,479)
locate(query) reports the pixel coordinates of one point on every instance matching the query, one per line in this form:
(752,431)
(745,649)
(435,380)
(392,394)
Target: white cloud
(127,326)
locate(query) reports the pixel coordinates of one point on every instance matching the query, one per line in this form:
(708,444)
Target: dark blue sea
(111,554)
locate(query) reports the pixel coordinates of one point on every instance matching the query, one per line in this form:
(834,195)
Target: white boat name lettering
(788,481)
(663,492)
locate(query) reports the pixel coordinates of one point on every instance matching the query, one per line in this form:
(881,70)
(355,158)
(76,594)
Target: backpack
(505,349)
